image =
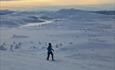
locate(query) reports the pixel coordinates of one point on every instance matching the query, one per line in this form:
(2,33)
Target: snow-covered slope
(17,19)
(82,41)
(14,19)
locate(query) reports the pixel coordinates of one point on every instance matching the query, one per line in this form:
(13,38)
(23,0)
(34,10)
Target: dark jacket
(50,49)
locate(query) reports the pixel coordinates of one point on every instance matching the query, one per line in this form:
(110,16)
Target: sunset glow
(5,4)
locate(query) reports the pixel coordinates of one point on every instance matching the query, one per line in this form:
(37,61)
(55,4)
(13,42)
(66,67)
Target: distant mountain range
(105,12)
(71,11)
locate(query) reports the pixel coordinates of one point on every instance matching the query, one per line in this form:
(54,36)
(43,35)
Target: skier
(50,52)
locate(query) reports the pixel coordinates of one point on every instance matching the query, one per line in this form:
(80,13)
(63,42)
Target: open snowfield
(80,43)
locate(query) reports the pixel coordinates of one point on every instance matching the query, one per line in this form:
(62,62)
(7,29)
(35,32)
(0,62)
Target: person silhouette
(50,52)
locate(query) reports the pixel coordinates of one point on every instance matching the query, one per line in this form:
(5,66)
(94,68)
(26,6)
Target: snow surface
(83,41)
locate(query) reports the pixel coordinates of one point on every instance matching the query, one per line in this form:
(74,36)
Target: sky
(23,4)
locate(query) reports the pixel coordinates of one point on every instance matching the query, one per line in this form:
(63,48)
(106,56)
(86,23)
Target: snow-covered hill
(82,40)
(15,19)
